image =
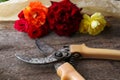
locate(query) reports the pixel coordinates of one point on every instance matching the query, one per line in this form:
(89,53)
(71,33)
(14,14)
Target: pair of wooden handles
(67,72)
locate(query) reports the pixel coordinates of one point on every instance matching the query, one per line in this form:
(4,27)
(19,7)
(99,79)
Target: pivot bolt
(58,54)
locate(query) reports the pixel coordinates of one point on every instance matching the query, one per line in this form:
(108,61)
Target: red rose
(21,15)
(21,25)
(36,32)
(64,17)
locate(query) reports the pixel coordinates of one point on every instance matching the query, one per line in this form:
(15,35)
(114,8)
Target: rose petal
(64,18)
(21,25)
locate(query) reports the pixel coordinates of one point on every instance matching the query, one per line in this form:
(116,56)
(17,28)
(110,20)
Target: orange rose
(35,13)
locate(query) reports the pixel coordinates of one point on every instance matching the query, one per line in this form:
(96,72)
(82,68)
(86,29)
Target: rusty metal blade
(54,56)
(48,51)
(46,60)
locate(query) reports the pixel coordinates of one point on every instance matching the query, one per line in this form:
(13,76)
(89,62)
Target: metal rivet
(58,54)
(76,55)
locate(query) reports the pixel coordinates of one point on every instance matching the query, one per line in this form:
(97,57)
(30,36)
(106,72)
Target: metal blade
(53,57)
(46,49)
(46,60)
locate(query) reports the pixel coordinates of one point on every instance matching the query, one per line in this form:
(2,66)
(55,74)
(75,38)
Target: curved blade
(53,57)
(46,60)
(46,49)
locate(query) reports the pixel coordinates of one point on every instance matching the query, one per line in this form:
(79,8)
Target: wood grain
(12,42)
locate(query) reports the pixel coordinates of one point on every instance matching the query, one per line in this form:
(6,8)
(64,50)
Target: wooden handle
(97,53)
(67,72)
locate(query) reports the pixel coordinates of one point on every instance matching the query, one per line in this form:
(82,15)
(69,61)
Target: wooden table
(12,42)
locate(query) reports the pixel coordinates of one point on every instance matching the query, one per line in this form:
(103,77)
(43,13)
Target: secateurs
(60,58)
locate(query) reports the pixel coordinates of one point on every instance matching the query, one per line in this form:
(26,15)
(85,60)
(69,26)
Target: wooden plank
(12,42)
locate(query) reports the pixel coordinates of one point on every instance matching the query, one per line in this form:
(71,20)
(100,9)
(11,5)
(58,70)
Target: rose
(93,24)
(35,13)
(21,15)
(36,32)
(21,25)
(64,18)
(32,20)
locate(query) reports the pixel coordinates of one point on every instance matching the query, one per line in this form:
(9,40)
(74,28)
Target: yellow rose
(92,25)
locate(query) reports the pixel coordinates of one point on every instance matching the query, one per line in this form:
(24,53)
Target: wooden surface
(12,42)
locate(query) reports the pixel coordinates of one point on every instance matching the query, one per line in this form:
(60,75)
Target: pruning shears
(61,58)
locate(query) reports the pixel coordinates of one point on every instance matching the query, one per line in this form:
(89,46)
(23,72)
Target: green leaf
(3,0)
